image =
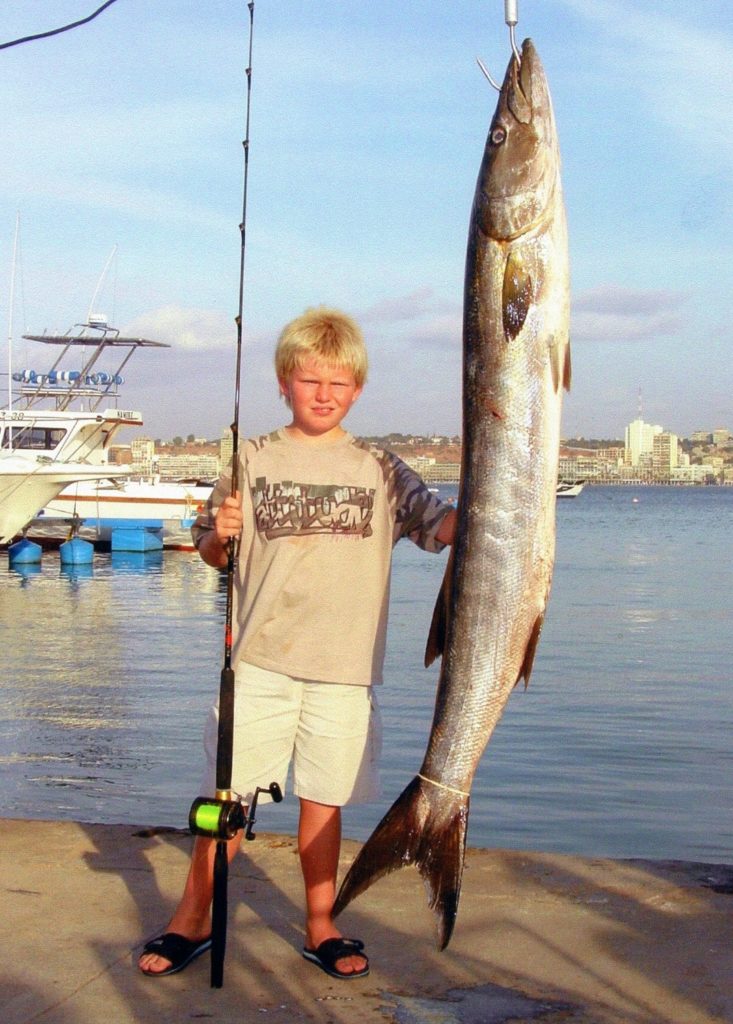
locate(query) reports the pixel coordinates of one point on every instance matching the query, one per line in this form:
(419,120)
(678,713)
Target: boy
(318,515)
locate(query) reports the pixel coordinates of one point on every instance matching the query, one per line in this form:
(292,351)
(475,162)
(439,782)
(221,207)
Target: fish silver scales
(516,362)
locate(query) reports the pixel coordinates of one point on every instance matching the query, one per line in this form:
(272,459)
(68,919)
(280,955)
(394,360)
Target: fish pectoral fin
(531,650)
(439,626)
(516,295)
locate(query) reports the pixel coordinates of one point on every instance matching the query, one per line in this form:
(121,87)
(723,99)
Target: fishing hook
(487,73)
(511,17)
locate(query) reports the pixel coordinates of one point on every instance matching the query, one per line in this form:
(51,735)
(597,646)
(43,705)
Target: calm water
(621,746)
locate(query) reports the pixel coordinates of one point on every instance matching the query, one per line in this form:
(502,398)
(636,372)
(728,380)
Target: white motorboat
(55,430)
(95,509)
(569,488)
(27,483)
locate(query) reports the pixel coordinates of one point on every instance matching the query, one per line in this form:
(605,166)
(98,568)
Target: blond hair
(326,335)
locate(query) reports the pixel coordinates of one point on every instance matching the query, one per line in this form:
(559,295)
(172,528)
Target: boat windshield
(44,439)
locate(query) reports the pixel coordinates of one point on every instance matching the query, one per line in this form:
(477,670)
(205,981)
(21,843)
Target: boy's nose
(323,392)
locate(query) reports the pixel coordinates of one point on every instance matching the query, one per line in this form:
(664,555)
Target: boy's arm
(447,530)
(420,515)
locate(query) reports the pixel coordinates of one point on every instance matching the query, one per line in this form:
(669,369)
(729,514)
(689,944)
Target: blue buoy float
(76,552)
(24,552)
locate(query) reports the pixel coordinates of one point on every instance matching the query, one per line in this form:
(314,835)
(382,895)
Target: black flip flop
(331,951)
(176,948)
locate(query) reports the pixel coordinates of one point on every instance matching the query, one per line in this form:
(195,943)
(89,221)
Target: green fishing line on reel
(216,819)
(223,819)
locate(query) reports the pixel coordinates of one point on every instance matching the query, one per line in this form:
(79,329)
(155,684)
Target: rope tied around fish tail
(442,785)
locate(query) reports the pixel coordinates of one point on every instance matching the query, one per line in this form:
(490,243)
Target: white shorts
(332,732)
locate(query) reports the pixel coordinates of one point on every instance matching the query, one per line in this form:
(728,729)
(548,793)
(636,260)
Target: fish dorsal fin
(439,625)
(516,295)
(531,649)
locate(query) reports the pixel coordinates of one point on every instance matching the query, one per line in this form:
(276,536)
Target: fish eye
(498,135)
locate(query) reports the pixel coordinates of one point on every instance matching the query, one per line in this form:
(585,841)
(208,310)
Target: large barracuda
(516,363)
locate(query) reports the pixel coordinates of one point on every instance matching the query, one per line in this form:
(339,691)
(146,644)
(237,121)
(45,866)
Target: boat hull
(97,511)
(570,488)
(27,484)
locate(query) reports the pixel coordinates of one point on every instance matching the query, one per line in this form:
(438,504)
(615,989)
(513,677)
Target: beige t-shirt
(312,581)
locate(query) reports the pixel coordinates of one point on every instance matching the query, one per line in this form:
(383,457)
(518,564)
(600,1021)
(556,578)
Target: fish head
(520,167)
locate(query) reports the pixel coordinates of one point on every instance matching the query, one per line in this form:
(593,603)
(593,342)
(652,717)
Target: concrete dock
(540,938)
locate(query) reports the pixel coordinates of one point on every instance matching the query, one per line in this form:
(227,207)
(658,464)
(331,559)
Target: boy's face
(320,395)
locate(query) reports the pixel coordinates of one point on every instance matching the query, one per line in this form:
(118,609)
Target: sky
(123,162)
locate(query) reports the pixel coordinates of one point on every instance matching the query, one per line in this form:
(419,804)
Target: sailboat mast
(10,312)
(100,282)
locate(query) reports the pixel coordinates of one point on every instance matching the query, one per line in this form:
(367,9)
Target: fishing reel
(222,819)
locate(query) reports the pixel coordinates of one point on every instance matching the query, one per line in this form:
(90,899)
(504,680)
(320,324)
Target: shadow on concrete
(577,940)
(626,938)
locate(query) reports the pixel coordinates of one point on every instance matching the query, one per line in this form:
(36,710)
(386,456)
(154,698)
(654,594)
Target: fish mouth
(517,86)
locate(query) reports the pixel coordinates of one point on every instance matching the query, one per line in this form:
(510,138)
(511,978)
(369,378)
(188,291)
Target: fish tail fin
(425,826)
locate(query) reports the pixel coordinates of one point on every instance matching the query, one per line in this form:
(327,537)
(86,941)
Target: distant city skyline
(648,454)
(709,434)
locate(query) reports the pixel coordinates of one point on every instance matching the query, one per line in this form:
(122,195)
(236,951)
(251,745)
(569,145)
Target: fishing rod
(224,816)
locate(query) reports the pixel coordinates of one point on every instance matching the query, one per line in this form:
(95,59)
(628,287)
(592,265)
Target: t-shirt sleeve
(419,512)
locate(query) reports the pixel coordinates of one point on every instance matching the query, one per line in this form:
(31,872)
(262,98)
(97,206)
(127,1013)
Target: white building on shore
(639,442)
(665,452)
(226,447)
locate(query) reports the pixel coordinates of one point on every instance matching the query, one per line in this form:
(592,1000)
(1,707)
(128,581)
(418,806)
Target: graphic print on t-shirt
(289,509)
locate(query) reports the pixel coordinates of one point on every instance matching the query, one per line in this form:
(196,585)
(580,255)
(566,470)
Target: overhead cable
(57,31)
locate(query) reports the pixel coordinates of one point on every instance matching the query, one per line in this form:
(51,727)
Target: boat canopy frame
(83,385)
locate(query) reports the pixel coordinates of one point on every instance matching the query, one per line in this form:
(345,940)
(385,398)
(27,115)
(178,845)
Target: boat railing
(55,384)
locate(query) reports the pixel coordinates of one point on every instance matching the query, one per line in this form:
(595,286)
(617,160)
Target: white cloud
(138,201)
(614,313)
(399,308)
(613,298)
(443,331)
(194,329)
(417,320)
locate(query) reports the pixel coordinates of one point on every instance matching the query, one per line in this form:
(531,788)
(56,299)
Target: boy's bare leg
(319,844)
(192,918)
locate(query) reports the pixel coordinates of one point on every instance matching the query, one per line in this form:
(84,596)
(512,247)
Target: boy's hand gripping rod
(223,817)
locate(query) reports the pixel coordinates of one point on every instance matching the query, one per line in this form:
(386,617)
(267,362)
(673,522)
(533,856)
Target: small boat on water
(565,489)
(569,488)
(95,509)
(55,430)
